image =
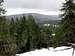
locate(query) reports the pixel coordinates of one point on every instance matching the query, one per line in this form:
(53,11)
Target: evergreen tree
(48,31)
(34,32)
(7,46)
(21,34)
(2,10)
(66,32)
(12,28)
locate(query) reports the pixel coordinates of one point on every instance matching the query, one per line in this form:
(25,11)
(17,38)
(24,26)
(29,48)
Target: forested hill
(39,18)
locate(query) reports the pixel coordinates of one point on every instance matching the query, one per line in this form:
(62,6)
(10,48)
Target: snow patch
(50,52)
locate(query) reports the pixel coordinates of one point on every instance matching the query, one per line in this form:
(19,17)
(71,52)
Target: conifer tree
(66,32)
(34,32)
(21,34)
(7,46)
(2,10)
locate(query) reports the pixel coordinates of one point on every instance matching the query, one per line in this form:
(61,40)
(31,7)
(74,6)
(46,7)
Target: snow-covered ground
(50,52)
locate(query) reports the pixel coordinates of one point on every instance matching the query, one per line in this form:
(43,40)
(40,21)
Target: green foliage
(46,35)
(7,45)
(66,31)
(34,32)
(7,48)
(28,35)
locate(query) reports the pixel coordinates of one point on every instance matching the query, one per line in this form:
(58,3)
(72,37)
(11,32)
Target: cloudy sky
(51,5)
(47,7)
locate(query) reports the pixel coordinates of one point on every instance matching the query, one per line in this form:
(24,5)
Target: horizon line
(12,11)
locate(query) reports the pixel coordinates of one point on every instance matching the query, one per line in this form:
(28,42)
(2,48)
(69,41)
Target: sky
(49,5)
(46,7)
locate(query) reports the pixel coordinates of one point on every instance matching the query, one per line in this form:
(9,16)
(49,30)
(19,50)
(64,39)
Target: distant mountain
(42,18)
(39,18)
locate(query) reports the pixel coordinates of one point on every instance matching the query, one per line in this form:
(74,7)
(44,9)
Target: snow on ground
(50,52)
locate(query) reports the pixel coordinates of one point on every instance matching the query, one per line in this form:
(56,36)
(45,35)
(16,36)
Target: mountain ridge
(39,18)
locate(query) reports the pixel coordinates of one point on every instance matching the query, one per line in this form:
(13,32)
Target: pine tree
(7,46)
(2,10)
(66,32)
(21,34)
(48,31)
(34,32)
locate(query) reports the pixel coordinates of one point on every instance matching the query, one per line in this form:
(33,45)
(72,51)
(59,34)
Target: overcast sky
(51,5)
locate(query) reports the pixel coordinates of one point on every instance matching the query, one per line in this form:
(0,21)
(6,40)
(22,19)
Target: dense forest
(27,34)
(23,35)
